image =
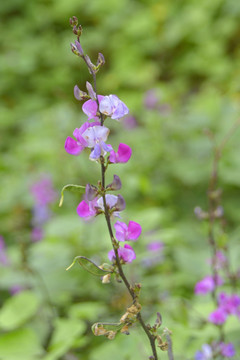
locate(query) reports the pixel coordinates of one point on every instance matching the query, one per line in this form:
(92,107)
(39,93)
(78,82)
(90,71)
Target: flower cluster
(210,352)
(43,194)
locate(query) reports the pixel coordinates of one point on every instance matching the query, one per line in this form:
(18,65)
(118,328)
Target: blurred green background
(176,64)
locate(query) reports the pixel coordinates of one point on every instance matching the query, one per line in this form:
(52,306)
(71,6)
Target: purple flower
(155,246)
(207,285)
(75,147)
(227,349)
(122,155)
(205,354)
(127,232)
(3,256)
(115,184)
(43,191)
(95,137)
(229,303)
(126,254)
(90,108)
(87,209)
(218,316)
(113,107)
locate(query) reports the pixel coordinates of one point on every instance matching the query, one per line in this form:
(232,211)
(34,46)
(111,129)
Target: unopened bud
(73,21)
(91,192)
(116,184)
(79,47)
(120,205)
(90,90)
(106,279)
(200,214)
(100,60)
(76,49)
(79,94)
(89,63)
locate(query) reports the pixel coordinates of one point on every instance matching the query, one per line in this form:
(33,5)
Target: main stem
(114,242)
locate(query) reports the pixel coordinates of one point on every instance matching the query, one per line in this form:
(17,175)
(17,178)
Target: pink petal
(72,147)
(134,230)
(121,230)
(83,209)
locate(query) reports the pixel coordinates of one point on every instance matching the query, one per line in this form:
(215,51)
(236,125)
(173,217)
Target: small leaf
(73,188)
(90,266)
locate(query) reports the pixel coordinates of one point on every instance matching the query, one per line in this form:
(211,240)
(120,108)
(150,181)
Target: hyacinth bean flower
(126,254)
(205,353)
(218,316)
(124,232)
(90,135)
(89,208)
(113,107)
(90,108)
(207,285)
(227,350)
(122,155)
(43,191)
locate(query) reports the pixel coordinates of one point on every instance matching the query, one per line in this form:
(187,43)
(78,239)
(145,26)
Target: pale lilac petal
(134,230)
(111,200)
(72,147)
(111,255)
(95,153)
(90,192)
(106,147)
(95,134)
(116,184)
(121,230)
(105,106)
(79,47)
(121,204)
(120,111)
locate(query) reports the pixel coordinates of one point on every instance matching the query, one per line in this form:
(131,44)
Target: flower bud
(91,192)
(106,279)
(79,47)
(116,184)
(79,94)
(73,21)
(89,63)
(120,205)
(100,60)
(90,90)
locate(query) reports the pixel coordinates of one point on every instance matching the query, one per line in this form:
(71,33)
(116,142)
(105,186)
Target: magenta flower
(229,303)
(127,232)
(126,254)
(95,137)
(87,209)
(227,349)
(75,147)
(218,317)
(90,108)
(207,285)
(113,107)
(122,155)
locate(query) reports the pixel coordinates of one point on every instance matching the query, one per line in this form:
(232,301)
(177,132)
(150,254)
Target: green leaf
(21,344)
(17,310)
(90,266)
(65,334)
(73,188)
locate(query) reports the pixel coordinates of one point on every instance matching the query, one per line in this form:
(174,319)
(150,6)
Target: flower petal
(72,146)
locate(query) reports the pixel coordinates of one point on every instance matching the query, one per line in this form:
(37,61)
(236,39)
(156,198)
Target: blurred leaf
(21,344)
(73,188)
(18,309)
(65,334)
